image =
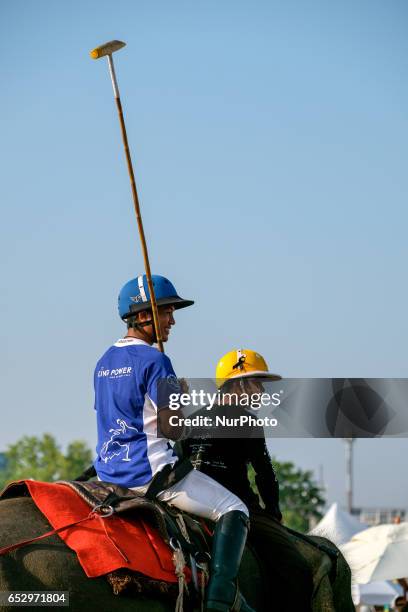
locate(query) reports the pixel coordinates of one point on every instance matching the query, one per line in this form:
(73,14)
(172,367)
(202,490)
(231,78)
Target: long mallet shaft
(106,50)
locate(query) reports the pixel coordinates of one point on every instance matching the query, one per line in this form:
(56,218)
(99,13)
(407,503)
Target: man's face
(166,321)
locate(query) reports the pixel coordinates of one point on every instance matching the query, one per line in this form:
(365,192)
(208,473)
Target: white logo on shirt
(115,373)
(112,448)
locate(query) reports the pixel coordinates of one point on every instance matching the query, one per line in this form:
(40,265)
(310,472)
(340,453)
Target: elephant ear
(331,578)
(252,580)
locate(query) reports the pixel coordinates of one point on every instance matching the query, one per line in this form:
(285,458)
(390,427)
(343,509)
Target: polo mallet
(106,50)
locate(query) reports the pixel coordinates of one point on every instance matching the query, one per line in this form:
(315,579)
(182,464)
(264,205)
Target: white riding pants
(201,495)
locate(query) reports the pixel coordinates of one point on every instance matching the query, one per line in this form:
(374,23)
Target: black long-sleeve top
(227,460)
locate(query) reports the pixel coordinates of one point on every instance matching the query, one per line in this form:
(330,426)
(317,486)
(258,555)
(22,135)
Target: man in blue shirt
(129,451)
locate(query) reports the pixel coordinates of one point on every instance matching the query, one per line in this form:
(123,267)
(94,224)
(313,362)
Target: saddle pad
(140,542)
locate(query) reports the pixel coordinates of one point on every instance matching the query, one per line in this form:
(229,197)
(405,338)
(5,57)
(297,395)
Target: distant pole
(349,473)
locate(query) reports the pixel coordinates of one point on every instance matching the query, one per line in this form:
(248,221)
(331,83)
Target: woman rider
(238,373)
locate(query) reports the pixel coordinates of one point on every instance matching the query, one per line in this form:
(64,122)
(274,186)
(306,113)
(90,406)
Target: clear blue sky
(270,148)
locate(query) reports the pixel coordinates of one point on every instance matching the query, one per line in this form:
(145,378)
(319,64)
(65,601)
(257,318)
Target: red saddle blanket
(100,543)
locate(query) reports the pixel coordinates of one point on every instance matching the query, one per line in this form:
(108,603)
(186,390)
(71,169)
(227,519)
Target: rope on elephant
(180,522)
(204,575)
(200,580)
(179,565)
(182,585)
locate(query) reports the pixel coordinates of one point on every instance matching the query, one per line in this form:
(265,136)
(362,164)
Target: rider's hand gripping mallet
(106,50)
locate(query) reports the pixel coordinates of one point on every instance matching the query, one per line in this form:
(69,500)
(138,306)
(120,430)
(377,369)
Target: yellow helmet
(242,363)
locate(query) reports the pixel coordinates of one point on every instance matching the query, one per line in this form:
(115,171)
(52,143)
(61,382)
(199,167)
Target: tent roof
(377,593)
(338,525)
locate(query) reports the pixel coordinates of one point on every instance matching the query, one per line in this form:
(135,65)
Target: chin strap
(140,326)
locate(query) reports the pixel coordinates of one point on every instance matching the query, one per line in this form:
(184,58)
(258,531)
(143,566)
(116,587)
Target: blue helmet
(135,295)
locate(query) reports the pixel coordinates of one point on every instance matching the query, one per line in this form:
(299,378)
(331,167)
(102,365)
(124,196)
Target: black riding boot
(228,545)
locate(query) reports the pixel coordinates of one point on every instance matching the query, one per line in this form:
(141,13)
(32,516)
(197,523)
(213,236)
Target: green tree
(78,457)
(301,499)
(42,459)
(3,464)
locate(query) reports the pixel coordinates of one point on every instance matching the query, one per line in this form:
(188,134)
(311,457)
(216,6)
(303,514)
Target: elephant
(49,565)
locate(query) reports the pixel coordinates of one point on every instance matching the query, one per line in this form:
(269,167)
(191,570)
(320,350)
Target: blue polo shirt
(129,453)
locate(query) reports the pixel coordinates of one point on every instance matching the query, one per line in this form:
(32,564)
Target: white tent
(376,593)
(378,553)
(339,526)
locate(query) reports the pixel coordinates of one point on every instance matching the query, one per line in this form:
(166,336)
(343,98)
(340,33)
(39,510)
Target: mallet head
(107,49)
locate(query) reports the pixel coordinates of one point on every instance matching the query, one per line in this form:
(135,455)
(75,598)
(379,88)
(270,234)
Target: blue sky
(269,144)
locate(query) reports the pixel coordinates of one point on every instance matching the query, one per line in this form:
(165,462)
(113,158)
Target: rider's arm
(163,387)
(170,423)
(265,478)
